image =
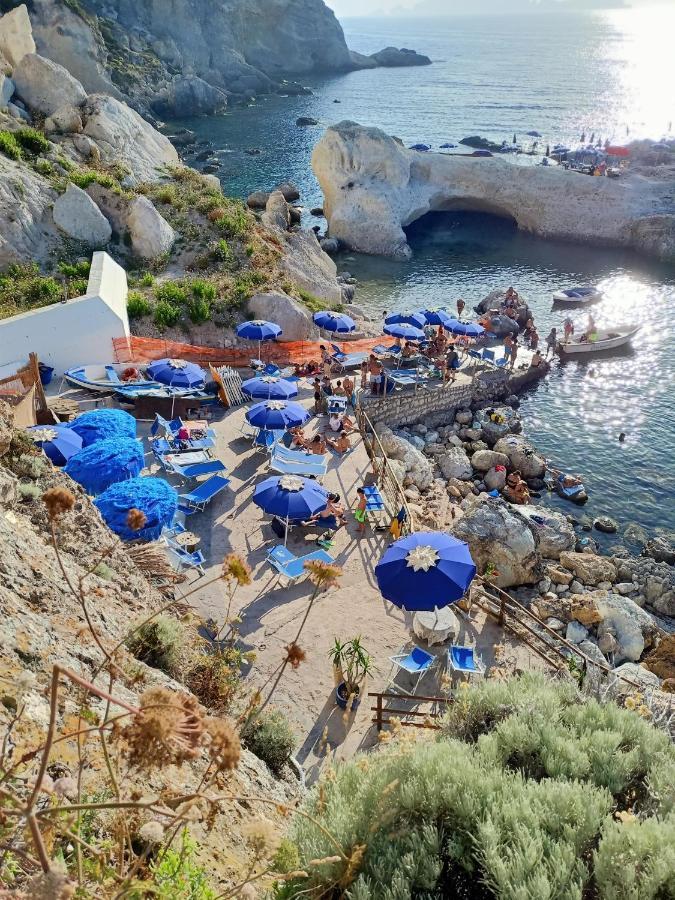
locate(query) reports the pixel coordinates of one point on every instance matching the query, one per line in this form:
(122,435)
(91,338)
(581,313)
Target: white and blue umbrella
(277,415)
(436,316)
(409,332)
(425,571)
(177,373)
(58,442)
(290,498)
(416,319)
(269,387)
(470,329)
(334,321)
(259,330)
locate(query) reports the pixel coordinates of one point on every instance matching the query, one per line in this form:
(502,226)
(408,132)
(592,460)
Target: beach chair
(291,566)
(297,462)
(336,405)
(464,661)
(195,470)
(346,360)
(488,355)
(180,559)
(160,425)
(474,354)
(200,496)
(266,439)
(502,361)
(416,663)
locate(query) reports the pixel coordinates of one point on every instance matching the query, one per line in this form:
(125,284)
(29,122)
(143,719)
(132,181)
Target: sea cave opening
(461,230)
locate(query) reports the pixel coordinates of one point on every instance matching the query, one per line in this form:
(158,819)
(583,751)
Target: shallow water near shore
(605,72)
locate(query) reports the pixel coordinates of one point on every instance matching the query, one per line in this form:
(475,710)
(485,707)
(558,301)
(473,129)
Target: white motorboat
(107,377)
(606,339)
(578,295)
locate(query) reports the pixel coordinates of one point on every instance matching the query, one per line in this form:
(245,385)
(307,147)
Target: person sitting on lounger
(333,515)
(317,445)
(409,349)
(298,437)
(340,444)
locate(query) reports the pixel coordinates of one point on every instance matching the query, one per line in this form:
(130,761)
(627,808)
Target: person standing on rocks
(514,351)
(551,341)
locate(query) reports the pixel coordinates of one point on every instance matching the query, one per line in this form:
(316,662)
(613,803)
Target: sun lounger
(266,438)
(291,566)
(297,462)
(374,499)
(195,470)
(203,494)
(347,360)
(181,559)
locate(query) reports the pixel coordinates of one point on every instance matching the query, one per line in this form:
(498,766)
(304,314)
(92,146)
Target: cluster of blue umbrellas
(410,325)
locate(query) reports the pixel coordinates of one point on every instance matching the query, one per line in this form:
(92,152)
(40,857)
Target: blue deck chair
(502,361)
(199,498)
(266,438)
(195,470)
(336,404)
(474,354)
(465,661)
(181,559)
(416,663)
(488,354)
(374,499)
(291,566)
(160,425)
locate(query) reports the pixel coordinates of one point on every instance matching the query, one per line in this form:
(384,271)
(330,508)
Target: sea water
(603,73)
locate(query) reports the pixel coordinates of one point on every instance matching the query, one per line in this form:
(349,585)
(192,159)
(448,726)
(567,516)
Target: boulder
(258,199)
(189,95)
(76,214)
(45,86)
(496,537)
(304,121)
(8,488)
(522,456)
(124,136)
(16,112)
(495,480)
(6,90)
(417,469)
(633,628)
(66,120)
(593,652)
(16,35)
(307,266)
(660,550)
(661,661)
(289,191)
(584,608)
(151,235)
(558,575)
(464,417)
(276,212)
(85,146)
(392,57)
(655,582)
(484,460)
(555,533)
(212,181)
(454,463)
(647,681)
(576,632)
(330,246)
(294,318)
(589,568)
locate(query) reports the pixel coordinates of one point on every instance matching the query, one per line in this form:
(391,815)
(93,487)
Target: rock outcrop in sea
(374,187)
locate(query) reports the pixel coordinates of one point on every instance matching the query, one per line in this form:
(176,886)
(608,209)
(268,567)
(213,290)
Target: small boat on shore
(608,339)
(107,377)
(578,295)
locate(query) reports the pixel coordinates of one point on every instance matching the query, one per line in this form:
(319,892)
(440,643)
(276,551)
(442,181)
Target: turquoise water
(560,75)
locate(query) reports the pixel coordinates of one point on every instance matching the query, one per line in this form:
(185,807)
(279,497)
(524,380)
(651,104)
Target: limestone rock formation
(123,136)
(76,214)
(66,119)
(661,661)
(309,267)
(521,456)
(190,95)
(588,567)
(497,536)
(373,187)
(151,235)
(632,628)
(275,306)
(45,86)
(555,533)
(483,460)
(454,463)
(16,35)
(393,58)
(415,468)
(25,198)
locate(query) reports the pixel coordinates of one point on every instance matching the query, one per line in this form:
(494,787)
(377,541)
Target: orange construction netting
(143,350)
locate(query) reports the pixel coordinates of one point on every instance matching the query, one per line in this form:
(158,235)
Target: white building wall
(79,332)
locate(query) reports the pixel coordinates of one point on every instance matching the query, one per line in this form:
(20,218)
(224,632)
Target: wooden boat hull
(605,341)
(102,378)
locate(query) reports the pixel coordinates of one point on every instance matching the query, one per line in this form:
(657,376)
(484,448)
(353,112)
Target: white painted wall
(78,332)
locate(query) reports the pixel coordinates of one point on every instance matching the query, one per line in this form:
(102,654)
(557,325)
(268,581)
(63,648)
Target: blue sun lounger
(291,566)
(416,664)
(465,661)
(199,498)
(195,470)
(181,559)
(347,360)
(297,462)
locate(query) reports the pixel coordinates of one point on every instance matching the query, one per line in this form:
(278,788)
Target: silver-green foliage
(515,800)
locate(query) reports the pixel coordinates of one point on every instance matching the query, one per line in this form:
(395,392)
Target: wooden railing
(390,487)
(385,715)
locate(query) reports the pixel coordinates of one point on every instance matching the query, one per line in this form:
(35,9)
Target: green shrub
(31,140)
(147,279)
(215,676)
(199,310)
(158,643)
(84,177)
(235,221)
(166,315)
(178,876)
(9,146)
(137,305)
(22,287)
(513,799)
(315,304)
(203,290)
(270,737)
(223,253)
(44,167)
(74,270)
(29,491)
(171,292)
(104,571)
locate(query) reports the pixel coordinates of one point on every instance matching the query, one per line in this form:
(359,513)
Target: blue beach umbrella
(416,319)
(470,329)
(100,424)
(258,330)
(425,571)
(277,414)
(58,442)
(177,373)
(154,497)
(106,462)
(269,387)
(333,321)
(290,498)
(436,316)
(409,332)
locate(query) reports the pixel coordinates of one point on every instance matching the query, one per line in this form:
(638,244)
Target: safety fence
(136,349)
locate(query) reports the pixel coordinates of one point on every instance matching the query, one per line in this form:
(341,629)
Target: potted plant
(336,653)
(356,664)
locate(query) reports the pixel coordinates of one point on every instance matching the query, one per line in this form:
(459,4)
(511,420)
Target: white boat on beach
(107,377)
(578,295)
(607,339)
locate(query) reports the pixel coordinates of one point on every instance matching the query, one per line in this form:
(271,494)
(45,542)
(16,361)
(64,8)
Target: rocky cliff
(373,187)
